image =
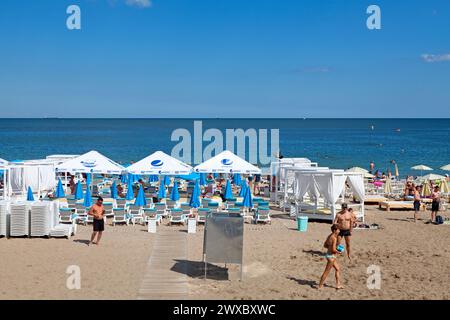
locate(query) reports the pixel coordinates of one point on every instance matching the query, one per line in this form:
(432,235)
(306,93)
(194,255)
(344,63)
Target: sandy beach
(279,262)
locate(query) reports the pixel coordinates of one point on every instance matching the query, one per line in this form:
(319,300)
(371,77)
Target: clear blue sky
(225,58)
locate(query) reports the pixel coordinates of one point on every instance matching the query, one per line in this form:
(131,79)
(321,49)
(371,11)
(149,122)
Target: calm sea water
(336,143)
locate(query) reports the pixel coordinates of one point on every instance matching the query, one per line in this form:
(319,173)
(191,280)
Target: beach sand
(279,262)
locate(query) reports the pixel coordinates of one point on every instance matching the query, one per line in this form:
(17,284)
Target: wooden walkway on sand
(165,277)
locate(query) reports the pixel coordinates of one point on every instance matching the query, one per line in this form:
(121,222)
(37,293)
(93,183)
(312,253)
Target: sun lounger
(66,215)
(201,214)
(152,214)
(136,214)
(161,209)
(120,215)
(408,205)
(177,216)
(263,215)
(369,198)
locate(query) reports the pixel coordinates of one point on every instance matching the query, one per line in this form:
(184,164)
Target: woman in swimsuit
(331,256)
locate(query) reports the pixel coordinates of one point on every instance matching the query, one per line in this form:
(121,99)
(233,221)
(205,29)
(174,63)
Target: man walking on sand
(98,212)
(345,221)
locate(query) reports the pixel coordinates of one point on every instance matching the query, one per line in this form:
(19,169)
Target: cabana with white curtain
(278,174)
(4,168)
(326,189)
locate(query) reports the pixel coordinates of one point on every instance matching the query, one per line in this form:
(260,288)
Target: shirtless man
(97,211)
(331,256)
(345,221)
(417,198)
(436,196)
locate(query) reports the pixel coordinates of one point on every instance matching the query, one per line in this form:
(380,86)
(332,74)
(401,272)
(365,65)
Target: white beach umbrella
(432,177)
(357,169)
(227,162)
(388,186)
(444,186)
(160,163)
(446,168)
(3,162)
(422,168)
(91,162)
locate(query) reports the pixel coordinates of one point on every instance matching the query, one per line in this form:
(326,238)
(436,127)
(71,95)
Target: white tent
(3,163)
(227,162)
(159,163)
(91,162)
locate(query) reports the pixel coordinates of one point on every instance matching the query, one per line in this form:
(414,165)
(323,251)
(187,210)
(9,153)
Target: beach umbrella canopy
(88,179)
(227,162)
(162,190)
(396,170)
(153,178)
(87,198)
(357,169)
(444,186)
(388,186)
(446,168)
(237,179)
(174,195)
(140,199)
(161,164)
(426,190)
(421,168)
(167,180)
(203,179)
(59,190)
(30,196)
(243,188)
(248,200)
(432,177)
(78,191)
(91,162)
(194,202)
(123,178)
(114,193)
(3,162)
(215,175)
(228,194)
(130,193)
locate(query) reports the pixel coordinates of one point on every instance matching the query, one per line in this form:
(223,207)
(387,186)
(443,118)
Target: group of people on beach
(342,228)
(415,192)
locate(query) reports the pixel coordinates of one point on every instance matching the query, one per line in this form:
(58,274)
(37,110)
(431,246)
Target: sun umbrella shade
(87,198)
(228,194)
(162,190)
(203,179)
(237,179)
(248,200)
(59,190)
(388,186)
(243,189)
(91,162)
(114,193)
(174,195)
(30,196)
(79,192)
(357,169)
(227,162)
(161,164)
(421,167)
(446,168)
(153,178)
(426,190)
(194,202)
(130,193)
(140,199)
(432,177)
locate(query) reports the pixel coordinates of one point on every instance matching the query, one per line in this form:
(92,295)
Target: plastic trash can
(302,224)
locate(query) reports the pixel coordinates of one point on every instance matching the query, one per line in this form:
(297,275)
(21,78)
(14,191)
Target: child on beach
(331,256)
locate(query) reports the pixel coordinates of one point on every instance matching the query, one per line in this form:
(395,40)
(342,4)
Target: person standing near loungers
(98,212)
(331,256)
(345,221)
(417,198)
(436,196)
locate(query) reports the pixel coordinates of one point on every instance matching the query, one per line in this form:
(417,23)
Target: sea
(334,143)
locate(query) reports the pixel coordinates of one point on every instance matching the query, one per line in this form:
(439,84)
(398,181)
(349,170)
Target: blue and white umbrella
(248,200)
(153,178)
(88,178)
(123,178)
(59,190)
(87,198)
(140,199)
(203,179)
(78,192)
(215,175)
(167,180)
(130,194)
(114,193)
(162,190)
(194,202)
(228,194)
(174,195)
(30,196)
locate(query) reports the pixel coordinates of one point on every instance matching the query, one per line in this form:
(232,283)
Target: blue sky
(224,58)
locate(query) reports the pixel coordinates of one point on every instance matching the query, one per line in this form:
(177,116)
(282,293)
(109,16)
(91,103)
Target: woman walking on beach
(436,196)
(331,256)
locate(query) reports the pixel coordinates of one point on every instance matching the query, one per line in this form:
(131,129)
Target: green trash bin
(302,224)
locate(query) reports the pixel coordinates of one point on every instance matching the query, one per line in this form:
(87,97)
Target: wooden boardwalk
(165,277)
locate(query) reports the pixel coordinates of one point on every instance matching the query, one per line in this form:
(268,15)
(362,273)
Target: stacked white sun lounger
(62,230)
(4,218)
(40,219)
(19,219)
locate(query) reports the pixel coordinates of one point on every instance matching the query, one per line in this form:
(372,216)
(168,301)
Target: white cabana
(159,163)
(5,170)
(227,162)
(91,162)
(329,185)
